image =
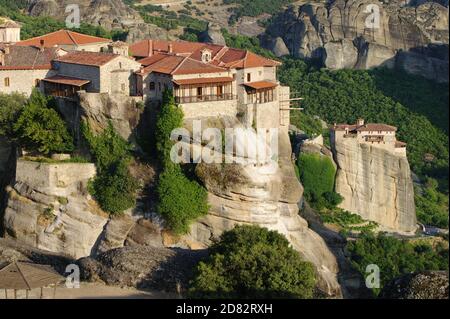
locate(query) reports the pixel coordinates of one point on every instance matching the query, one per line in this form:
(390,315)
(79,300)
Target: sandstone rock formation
(213,35)
(425,285)
(109,14)
(349,34)
(48,207)
(143,267)
(376,183)
(267,195)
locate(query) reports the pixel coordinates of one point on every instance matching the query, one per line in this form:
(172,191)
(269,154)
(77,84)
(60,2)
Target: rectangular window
(152,86)
(249,77)
(122,86)
(37,82)
(7,83)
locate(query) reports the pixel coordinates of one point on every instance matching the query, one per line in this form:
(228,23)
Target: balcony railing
(205,98)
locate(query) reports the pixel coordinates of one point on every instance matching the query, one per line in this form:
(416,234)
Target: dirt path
(91,291)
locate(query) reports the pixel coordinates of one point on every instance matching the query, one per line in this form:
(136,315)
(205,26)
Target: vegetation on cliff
(254,8)
(253,262)
(40,128)
(317,175)
(37,26)
(114,188)
(395,257)
(180,200)
(10,107)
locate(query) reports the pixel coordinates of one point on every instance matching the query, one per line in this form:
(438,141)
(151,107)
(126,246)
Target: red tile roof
(176,65)
(261,85)
(203,80)
(87,58)
(63,37)
(222,56)
(366,127)
(28,58)
(66,80)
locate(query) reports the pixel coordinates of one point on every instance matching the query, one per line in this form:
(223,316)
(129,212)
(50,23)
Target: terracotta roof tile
(29,58)
(261,85)
(66,80)
(63,37)
(87,58)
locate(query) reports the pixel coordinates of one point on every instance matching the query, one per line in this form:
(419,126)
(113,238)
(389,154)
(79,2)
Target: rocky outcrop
(213,35)
(425,285)
(363,34)
(109,14)
(376,183)
(143,267)
(48,207)
(266,194)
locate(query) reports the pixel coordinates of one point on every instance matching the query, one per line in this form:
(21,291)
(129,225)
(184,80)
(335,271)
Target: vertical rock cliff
(376,184)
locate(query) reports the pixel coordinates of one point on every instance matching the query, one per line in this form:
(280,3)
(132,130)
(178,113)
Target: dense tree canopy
(40,128)
(394,257)
(345,95)
(253,262)
(10,107)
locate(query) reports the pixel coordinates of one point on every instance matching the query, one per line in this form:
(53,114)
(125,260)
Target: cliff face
(344,35)
(265,195)
(376,184)
(110,14)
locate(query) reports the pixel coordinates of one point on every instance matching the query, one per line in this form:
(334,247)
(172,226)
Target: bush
(40,128)
(115,189)
(180,200)
(10,107)
(317,174)
(253,262)
(431,205)
(169,118)
(394,257)
(108,147)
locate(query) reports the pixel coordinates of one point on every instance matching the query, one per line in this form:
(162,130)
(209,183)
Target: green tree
(10,107)
(394,257)
(253,262)
(40,128)
(115,189)
(169,118)
(317,174)
(180,200)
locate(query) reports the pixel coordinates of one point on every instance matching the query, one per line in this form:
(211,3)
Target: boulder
(213,35)
(424,285)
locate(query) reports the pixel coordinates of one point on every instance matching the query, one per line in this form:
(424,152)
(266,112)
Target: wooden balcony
(205,98)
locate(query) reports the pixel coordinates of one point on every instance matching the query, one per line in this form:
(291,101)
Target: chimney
(150,47)
(170,48)
(360,122)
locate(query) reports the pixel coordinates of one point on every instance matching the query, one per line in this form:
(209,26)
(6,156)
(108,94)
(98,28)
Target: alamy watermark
(372,21)
(73,19)
(230,145)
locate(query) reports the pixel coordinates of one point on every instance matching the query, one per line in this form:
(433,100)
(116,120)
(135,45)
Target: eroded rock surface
(376,184)
(425,285)
(349,34)
(48,207)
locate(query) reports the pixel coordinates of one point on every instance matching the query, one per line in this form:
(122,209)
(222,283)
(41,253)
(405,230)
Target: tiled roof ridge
(71,37)
(179,65)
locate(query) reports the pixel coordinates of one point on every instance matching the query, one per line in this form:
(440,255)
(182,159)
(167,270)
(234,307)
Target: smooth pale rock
(145,232)
(376,183)
(116,232)
(267,196)
(315,30)
(340,55)
(49,208)
(213,35)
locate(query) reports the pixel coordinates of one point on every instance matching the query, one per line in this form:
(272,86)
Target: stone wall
(22,81)
(48,207)
(209,109)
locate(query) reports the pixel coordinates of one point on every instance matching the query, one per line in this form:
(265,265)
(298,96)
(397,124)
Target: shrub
(40,128)
(10,107)
(431,205)
(108,147)
(180,200)
(394,257)
(169,118)
(253,262)
(115,189)
(317,175)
